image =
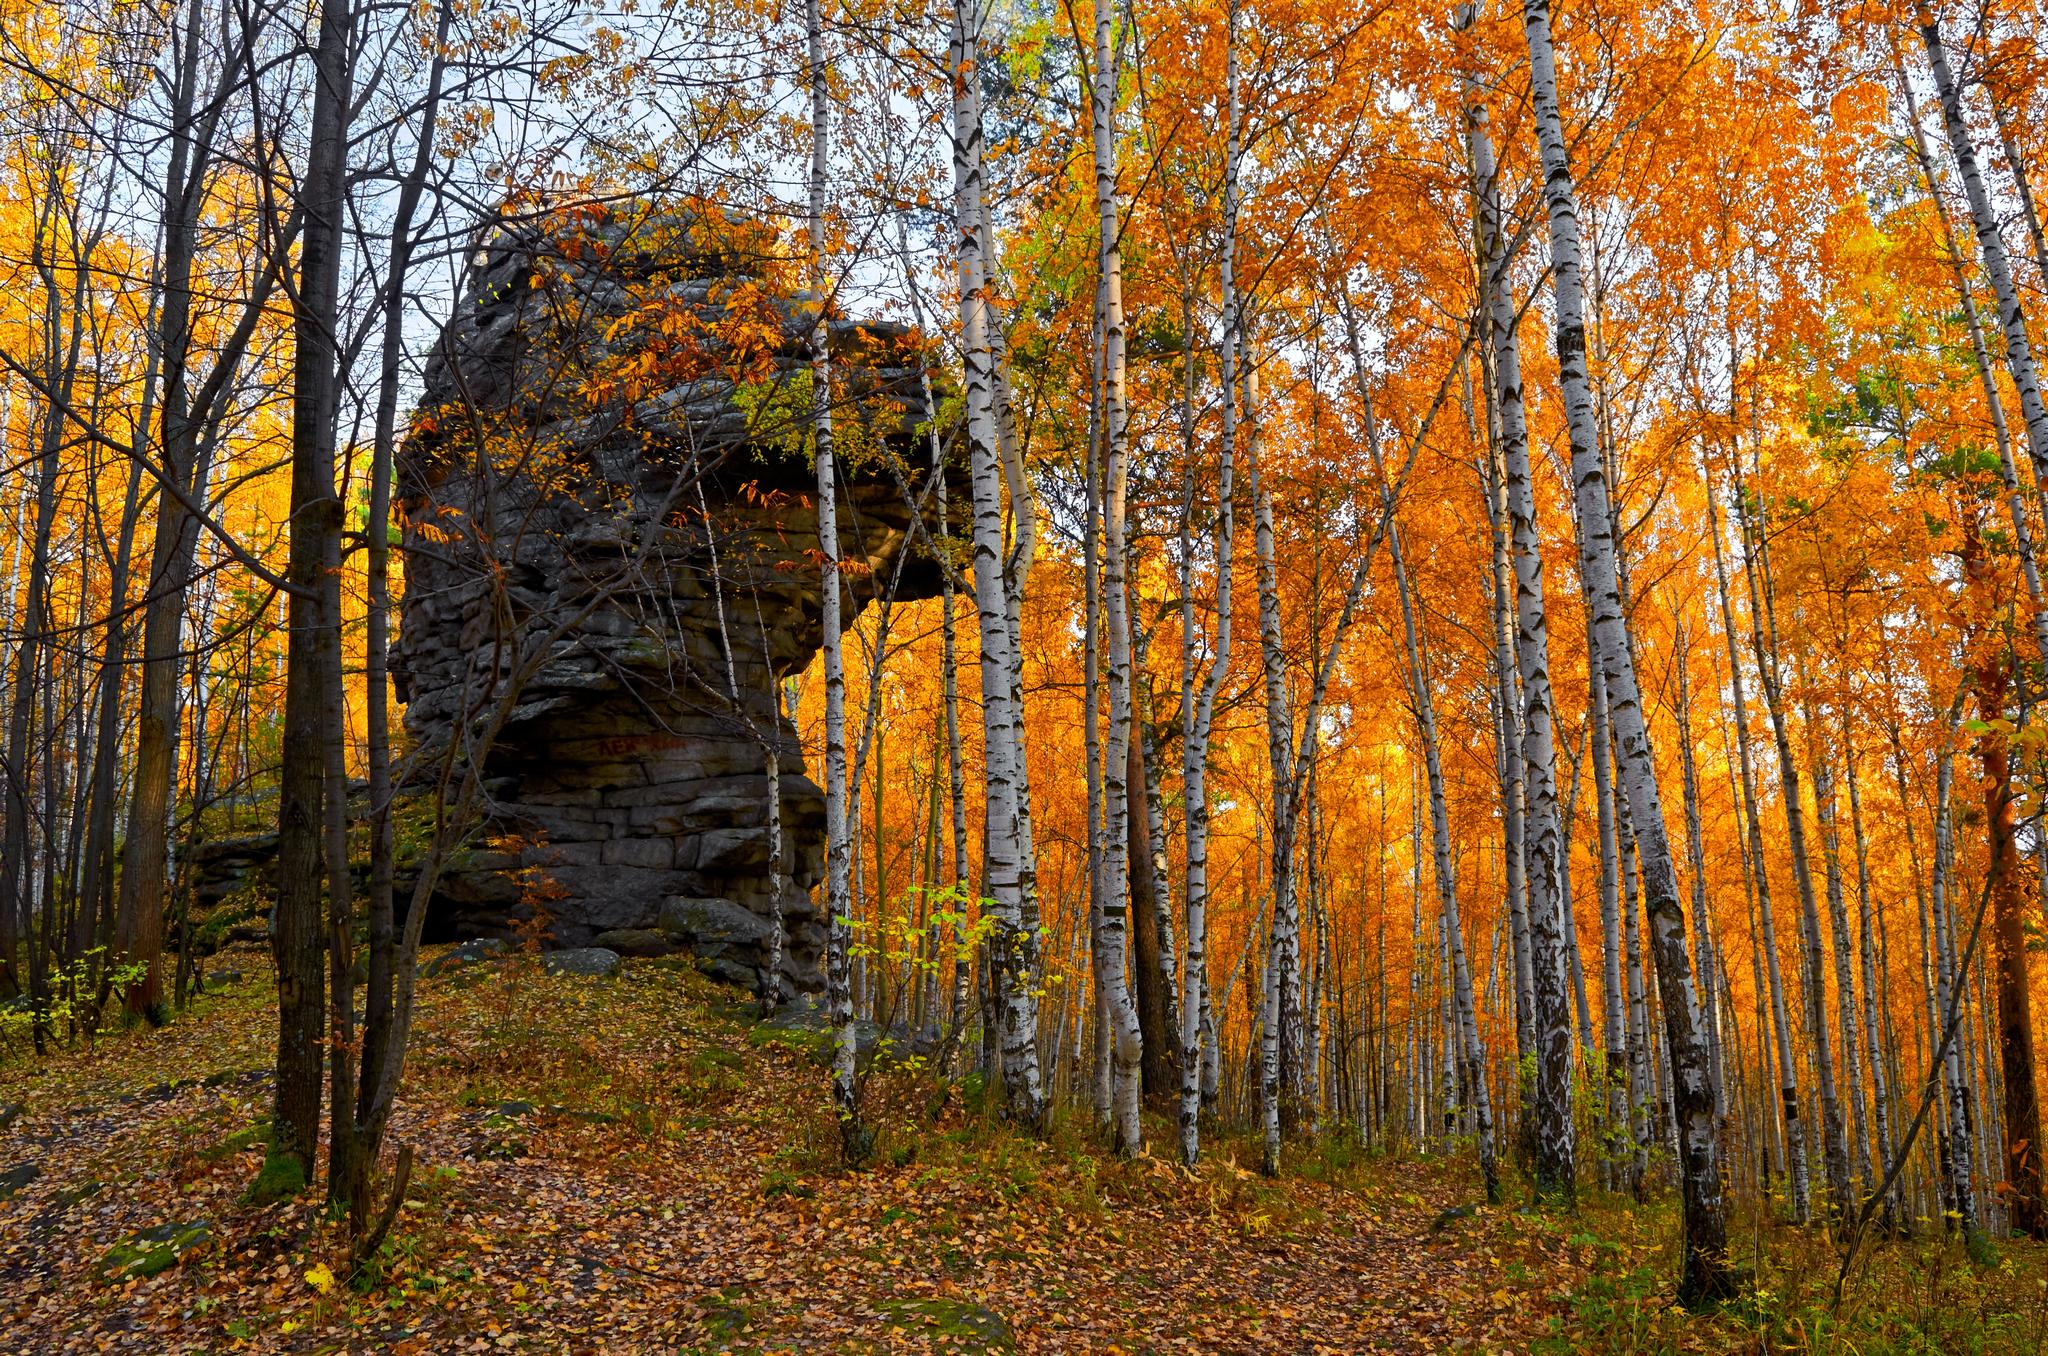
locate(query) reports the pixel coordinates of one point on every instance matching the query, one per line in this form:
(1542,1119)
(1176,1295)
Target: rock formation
(610,527)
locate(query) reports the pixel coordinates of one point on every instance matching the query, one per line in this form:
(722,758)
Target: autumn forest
(1192,675)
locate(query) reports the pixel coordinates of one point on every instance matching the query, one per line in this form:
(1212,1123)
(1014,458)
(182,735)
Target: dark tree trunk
(1159,1074)
(315,518)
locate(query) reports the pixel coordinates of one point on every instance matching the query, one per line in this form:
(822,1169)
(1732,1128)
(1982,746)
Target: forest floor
(631,1164)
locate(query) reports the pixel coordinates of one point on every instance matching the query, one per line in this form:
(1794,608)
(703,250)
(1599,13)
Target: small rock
(10,1112)
(465,953)
(1452,1216)
(17,1177)
(581,960)
(806,1016)
(220,979)
(960,1325)
(635,942)
(729,972)
(149,1251)
(84,1191)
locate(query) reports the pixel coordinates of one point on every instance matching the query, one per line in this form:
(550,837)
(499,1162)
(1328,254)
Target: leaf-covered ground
(630,1164)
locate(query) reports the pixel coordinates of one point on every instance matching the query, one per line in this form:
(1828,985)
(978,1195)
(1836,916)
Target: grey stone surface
(15,1178)
(607,489)
(635,942)
(593,961)
(702,921)
(465,953)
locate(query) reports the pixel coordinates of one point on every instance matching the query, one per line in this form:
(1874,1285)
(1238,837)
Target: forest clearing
(1209,675)
(637,1164)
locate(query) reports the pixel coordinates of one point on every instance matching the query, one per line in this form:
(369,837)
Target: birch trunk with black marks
(1113,939)
(854,1141)
(1825,810)
(1763,630)
(1471,1055)
(1696,858)
(1542,843)
(1962,1194)
(1282,941)
(1781,1026)
(2012,323)
(2022,1118)
(1704,1275)
(1013,942)
(1880,1096)
(1198,699)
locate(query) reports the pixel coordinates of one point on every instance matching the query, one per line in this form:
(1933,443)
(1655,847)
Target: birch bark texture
(1555,1147)
(2022,1111)
(1110,972)
(1704,1274)
(1011,904)
(1198,701)
(853,1142)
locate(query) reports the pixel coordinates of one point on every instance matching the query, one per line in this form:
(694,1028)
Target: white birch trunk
(1113,942)
(1013,943)
(1198,709)
(1781,1027)
(1471,1054)
(1824,799)
(1704,1274)
(1542,843)
(2012,323)
(838,847)
(1955,1077)
(1880,1097)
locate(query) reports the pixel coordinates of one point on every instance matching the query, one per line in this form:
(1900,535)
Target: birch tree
(1198,695)
(1013,940)
(1704,1275)
(1556,1152)
(1113,943)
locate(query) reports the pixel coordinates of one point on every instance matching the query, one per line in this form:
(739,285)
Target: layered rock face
(610,538)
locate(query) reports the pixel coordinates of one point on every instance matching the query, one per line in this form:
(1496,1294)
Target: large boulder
(610,528)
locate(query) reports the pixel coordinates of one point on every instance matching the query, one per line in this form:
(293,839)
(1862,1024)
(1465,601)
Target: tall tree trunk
(315,520)
(1788,1069)
(1102,1085)
(1014,943)
(31,660)
(1696,860)
(1613,983)
(2022,1116)
(1642,1074)
(94,924)
(1542,842)
(1705,1273)
(1120,825)
(1844,956)
(1198,698)
(1763,630)
(1880,1100)
(1471,1055)
(1962,1192)
(854,1140)
(2019,354)
(1282,941)
(1154,972)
